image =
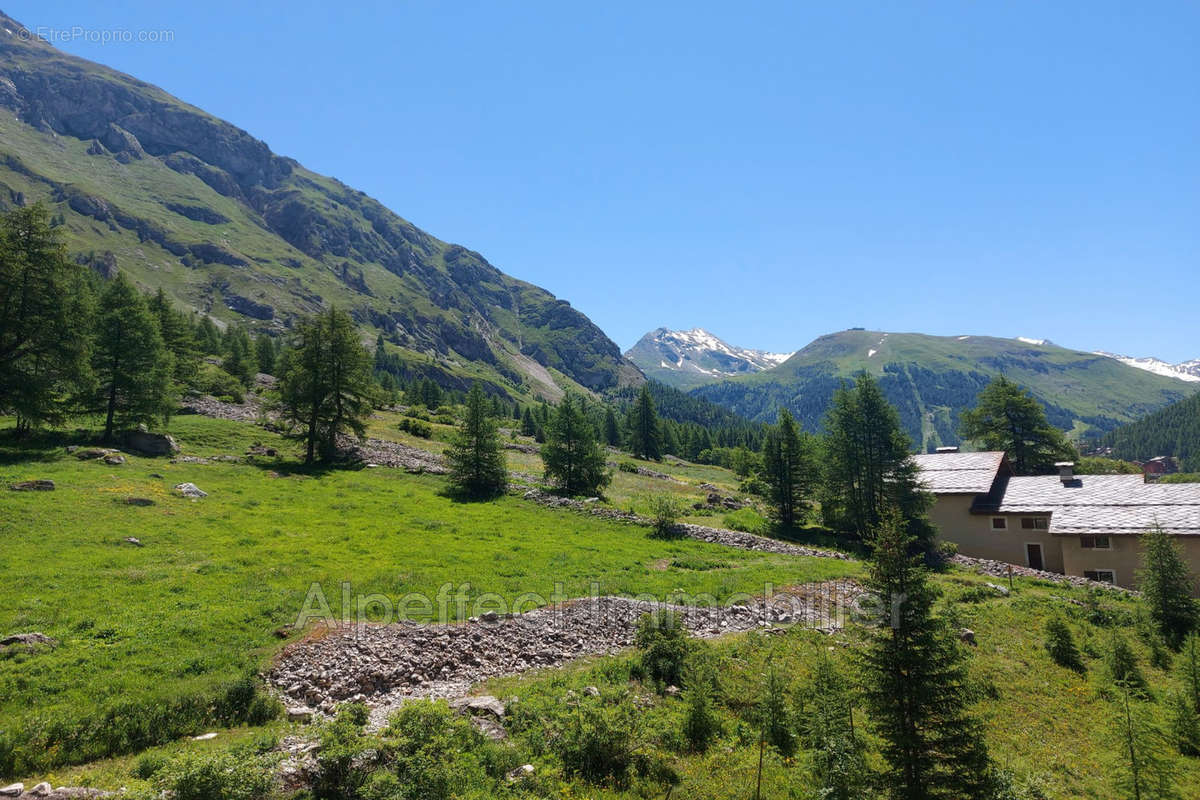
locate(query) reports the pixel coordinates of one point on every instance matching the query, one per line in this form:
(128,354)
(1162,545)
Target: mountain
(684,359)
(141,182)
(1187,371)
(931,379)
(1172,431)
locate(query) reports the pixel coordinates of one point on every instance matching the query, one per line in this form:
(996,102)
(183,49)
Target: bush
(628,466)
(436,755)
(1122,664)
(598,742)
(1060,644)
(216,776)
(665,646)
(149,765)
(701,725)
(746,520)
(664,512)
(416,428)
(213,380)
(343,761)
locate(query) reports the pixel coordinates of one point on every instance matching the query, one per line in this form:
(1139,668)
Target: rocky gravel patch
(206,405)
(384,665)
(391,454)
(1000,569)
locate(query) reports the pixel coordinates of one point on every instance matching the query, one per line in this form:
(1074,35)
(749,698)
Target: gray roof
(1103,504)
(959,473)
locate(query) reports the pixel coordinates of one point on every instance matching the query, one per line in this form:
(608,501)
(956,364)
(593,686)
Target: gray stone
(27,639)
(93,453)
(483,704)
(591,691)
(967,635)
(133,540)
(301,714)
(33,486)
(190,490)
(151,444)
(41,790)
(672,691)
(521,773)
(114,459)
(12,790)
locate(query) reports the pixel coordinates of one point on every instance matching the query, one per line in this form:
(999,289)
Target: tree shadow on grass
(41,445)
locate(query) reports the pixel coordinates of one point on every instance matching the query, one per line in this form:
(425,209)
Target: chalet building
(1086,525)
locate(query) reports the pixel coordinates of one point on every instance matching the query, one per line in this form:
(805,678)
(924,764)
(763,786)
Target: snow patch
(871,352)
(1187,371)
(1027,340)
(963,338)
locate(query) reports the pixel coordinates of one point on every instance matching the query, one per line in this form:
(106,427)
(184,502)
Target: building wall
(1124,558)
(974,535)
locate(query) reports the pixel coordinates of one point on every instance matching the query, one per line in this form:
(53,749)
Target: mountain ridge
(687,358)
(141,181)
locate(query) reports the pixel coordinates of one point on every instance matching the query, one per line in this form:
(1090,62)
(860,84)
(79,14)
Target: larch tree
(1167,586)
(612,430)
(868,468)
(131,364)
(915,677)
(476,458)
(178,337)
(789,468)
(1008,418)
(645,430)
(573,459)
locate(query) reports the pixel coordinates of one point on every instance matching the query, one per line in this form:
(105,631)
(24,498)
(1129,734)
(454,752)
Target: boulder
(521,773)
(190,490)
(43,789)
(151,444)
(90,453)
(33,486)
(967,635)
(133,540)
(301,714)
(483,704)
(114,459)
(27,639)
(12,790)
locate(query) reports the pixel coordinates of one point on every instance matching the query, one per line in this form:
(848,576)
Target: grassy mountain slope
(177,198)
(931,379)
(1173,431)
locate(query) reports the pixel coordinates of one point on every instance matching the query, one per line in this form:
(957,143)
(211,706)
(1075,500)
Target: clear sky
(770,171)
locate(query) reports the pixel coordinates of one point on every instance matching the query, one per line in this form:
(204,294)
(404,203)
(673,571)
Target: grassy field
(177,622)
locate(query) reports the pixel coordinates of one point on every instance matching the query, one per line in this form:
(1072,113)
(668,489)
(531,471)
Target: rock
(114,459)
(483,704)
(204,737)
(13,790)
(190,490)
(33,486)
(489,617)
(27,640)
(489,728)
(138,501)
(671,691)
(93,453)
(301,714)
(155,475)
(41,790)
(998,589)
(151,444)
(591,691)
(133,540)
(967,635)
(521,773)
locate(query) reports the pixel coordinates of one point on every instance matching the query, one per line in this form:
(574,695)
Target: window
(1035,523)
(999,523)
(1102,575)
(1094,543)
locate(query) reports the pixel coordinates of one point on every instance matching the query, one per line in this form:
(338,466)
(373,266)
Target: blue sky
(769,171)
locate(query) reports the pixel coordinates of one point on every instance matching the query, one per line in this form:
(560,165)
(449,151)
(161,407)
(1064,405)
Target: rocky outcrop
(40,485)
(198,213)
(248,307)
(151,444)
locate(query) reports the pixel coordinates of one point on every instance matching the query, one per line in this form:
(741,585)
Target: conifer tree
(789,468)
(1142,765)
(916,681)
(43,347)
(130,361)
(773,715)
(179,338)
(868,468)
(528,424)
(827,728)
(612,431)
(264,352)
(208,338)
(1166,584)
(645,430)
(476,459)
(326,387)
(240,360)
(573,459)
(1008,418)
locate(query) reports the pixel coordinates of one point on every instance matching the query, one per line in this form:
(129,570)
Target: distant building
(1162,465)
(1085,525)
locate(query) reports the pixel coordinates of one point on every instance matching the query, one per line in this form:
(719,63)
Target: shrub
(415,427)
(213,380)
(149,765)
(216,776)
(665,646)
(437,754)
(701,725)
(664,512)
(746,520)
(628,466)
(343,760)
(774,718)
(1122,664)
(598,742)
(1060,644)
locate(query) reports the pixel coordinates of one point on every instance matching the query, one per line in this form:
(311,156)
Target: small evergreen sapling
(1060,644)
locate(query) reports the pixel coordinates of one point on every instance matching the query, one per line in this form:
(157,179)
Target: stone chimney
(1066,471)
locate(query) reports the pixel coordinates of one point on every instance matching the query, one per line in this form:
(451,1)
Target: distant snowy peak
(691,356)
(1187,371)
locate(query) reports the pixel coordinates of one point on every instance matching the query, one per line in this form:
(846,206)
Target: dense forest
(1173,431)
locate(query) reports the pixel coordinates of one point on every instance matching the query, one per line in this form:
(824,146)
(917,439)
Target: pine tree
(1060,644)
(612,431)
(240,361)
(1142,767)
(130,361)
(1166,585)
(264,351)
(528,425)
(1123,669)
(645,430)
(43,349)
(1008,418)
(789,468)
(208,338)
(179,338)
(701,724)
(476,459)
(827,728)
(326,387)
(573,459)
(916,681)
(868,468)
